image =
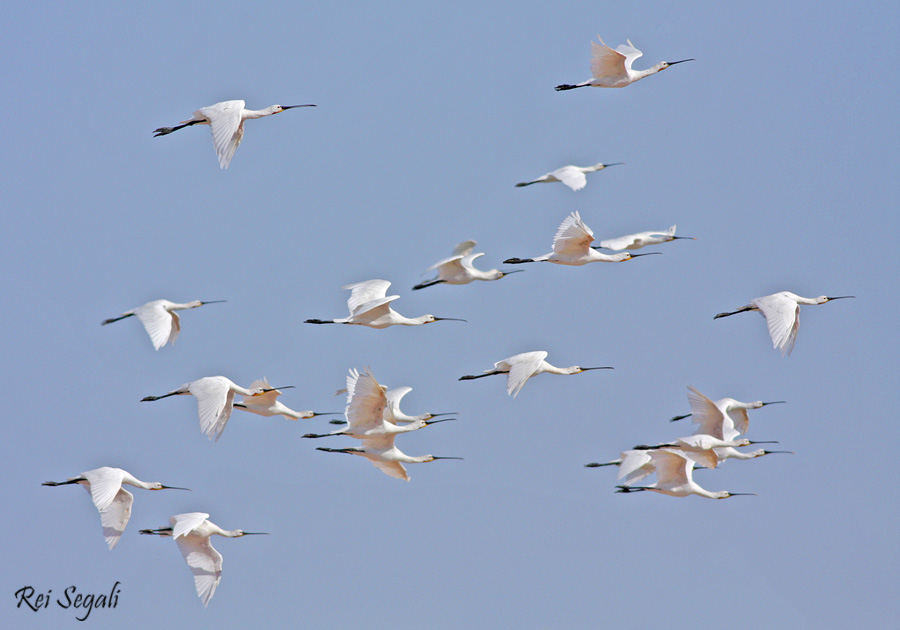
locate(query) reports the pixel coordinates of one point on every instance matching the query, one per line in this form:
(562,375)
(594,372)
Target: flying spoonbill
(458,269)
(226,121)
(369,413)
(266,404)
(191,532)
(782,313)
(215,399)
(572,176)
(612,68)
(370,306)
(674,474)
(641,239)
(572,246)
(160,319)
(521,367)
(110,498)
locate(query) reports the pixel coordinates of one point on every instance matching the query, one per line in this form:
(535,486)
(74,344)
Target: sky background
(777,148)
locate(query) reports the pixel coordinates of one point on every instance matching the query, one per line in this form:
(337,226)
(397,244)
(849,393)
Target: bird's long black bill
(765,442)
(257,534)
(176,488)
(283,107)
(742,494)
(447,457)
(841,297)
(214,302)
(785,452)
(647,254)
(449,319)
(774,402)
(672,63)
(598,368)
(427,422)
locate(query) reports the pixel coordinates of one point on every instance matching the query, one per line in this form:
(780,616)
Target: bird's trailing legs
(162,131)
(740,310)
(469,377)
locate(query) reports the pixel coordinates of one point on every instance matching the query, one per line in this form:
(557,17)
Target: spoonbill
(368,411)
(266,404)
(191,532)
(160,319)
(370,306)
(782,313)
(458,269)
(572,176)
(703,449)
(572,246)
(226,121)
(110,498)
(385,456)
(392,412)
(215,399)
(612,68)
(521,367)
(724,419)
(633,465)
(641,239)
(674,475)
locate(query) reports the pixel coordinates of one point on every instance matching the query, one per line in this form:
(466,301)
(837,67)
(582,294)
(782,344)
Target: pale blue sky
(777,148)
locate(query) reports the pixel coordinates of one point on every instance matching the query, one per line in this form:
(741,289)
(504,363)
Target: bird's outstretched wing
(635,466)
(366,401)
(571,177)
(392,469)
(115,517)
(184,524)
(783,319)
(214,400)
(451,265)
(162,325)
(367,291)
(204,562)
(521,370)
(465,248)
(706,415)
(629,52)
(607,63)
(227,128)
(105,483)
(573,238)
(394,396)
(672,467)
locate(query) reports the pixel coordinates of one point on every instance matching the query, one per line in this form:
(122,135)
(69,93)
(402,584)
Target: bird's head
(277,109)
(628,256)
(824,298)
(666,64)
(724,495)
(431,318)
(757,404)
(497,274)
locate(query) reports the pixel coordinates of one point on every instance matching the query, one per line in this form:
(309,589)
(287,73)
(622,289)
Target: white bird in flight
(572,246)
(521,367)
(191,532)
(226,121)
(782,313)
(641,239)
(369,410)
(160,319)
(458,269)
(572,176)
(110,498)
(612,68)
(215,399)
(674,475)
(370,306)
(392,412)
(267,404)
(704,449)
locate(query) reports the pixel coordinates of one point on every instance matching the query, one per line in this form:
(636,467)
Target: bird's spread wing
(363,292)
(393,469)
(160,324)
(105,483)
(671,467)
(629,52)
(522,369)
(366,401)
(573,237)
(184,524)
(214,399)
(115,517)
(227,128)
(393,402)
(571,177)
(740,421)
(704,413)
(465,248)
(783,319)
(607,63)
(204,562)
(635,466)
(453,262)
(619,243)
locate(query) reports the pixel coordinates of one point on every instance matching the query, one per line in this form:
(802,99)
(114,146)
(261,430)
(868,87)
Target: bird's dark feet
(517,261)
(567,86)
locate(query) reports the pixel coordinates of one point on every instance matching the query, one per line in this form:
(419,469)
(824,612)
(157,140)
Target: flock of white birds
(372,414)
